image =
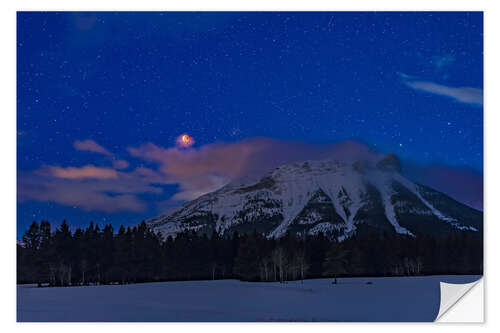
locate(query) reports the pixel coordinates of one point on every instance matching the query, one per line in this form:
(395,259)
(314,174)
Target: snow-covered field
(387,299)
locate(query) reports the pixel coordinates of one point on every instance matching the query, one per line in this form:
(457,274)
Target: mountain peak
(329,196)
(389,162)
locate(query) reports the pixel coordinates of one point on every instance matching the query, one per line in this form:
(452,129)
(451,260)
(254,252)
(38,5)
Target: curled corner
(451,294)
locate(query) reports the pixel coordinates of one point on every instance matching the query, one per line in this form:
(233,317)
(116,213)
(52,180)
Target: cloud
(442,61)
(462,94)
(462,184)
(199,171)
(84,21)
(466,95)
(196,171)
(120,164)
(90,187)
(89,196)
(87,171)
(405,76)
(73,187)
(92,146)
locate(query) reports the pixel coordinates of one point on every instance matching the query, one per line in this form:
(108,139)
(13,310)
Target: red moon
(185,140)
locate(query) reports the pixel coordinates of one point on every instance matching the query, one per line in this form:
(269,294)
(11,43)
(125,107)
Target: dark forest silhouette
(137,254)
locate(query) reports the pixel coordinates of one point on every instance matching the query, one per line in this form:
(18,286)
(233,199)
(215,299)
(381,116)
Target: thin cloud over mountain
(194,172)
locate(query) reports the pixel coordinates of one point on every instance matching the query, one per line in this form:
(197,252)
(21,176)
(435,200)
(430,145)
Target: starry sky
(102,99)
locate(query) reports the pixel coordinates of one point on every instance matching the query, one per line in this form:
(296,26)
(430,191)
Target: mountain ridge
(330,196)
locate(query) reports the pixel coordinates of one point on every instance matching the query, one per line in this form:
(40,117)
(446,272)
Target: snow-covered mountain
(330,196)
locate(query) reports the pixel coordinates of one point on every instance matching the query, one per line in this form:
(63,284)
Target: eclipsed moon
(185,140)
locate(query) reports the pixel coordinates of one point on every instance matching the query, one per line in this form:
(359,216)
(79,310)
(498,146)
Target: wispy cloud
(85,172)
(195,171)
(91,187)
(463,184)
(462,94)
(94,147)
(468,95)
(120,164)
(89,195)
(442,61)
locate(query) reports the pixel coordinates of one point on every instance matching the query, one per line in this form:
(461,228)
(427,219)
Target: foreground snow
(386,299)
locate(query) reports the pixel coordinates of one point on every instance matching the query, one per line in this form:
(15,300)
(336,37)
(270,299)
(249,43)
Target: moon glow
(185,140)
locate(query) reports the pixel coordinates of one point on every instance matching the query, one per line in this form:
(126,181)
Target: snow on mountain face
(329,196)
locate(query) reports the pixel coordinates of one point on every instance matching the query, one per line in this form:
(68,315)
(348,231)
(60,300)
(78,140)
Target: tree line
(137,254)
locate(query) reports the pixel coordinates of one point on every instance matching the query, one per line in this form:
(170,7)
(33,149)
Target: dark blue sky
(409,83)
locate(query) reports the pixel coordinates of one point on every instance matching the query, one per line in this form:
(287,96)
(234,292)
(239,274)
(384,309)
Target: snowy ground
(387,299)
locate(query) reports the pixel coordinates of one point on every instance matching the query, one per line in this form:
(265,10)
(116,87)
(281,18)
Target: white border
(8,135)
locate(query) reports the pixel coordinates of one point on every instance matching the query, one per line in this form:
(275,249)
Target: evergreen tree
(63,243)
(137,254)
(31,238)
(246,265)
(336,261)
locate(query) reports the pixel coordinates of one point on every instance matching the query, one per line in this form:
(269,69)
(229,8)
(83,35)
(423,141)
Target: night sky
(103,97)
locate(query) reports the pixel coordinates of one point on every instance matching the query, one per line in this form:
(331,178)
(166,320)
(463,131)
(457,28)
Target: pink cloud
(199,171)
(120,164)
(109,194)
(196,171)
(203,170)
(462,184)
(89,196)
(92,146)
(87,171)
